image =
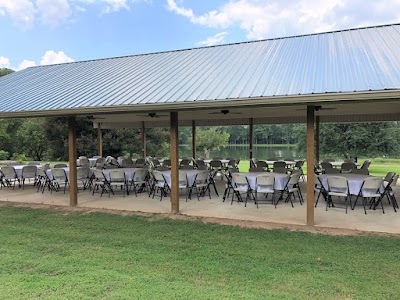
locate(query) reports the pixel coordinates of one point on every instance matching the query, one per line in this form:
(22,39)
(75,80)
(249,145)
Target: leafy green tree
(9,138)
(5,71)
(355,139)
(31,137)
(208,139)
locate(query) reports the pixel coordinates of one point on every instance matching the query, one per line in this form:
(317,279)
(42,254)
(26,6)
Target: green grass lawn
(50,254)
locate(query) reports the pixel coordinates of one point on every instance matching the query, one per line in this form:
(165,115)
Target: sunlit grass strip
(47,254)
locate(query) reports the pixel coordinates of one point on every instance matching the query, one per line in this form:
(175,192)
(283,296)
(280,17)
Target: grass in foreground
(47,254)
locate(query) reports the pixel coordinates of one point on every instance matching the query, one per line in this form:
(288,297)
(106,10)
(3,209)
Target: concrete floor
(336,217)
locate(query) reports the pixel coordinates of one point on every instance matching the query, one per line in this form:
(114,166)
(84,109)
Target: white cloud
(26,64)
(114,5)
(213,40)
(273,18)
(21,11)
(53,12)
(4,62)
(51,57)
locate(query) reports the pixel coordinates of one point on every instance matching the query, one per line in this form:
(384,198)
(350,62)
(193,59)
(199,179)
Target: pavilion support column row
(143,132)
(251,138)
(73,182)
(174,162)
(310,165)
(194,139)
(99,140)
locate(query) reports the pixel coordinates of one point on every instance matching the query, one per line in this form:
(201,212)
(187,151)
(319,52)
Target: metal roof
(348,61)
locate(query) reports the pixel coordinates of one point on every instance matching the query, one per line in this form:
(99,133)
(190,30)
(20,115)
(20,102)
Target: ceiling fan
(225,112)
(151,115)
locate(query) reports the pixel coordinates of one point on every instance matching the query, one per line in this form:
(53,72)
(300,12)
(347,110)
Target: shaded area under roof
(269,71)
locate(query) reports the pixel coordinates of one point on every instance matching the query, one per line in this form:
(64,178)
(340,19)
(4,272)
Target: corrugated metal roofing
(356,60)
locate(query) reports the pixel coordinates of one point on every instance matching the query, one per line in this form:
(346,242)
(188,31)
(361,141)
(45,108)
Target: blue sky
(37,32)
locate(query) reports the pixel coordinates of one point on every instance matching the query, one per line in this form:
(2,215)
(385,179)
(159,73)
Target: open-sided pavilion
(342,76)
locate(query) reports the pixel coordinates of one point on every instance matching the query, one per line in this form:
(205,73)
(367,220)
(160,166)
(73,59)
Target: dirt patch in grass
(207,220)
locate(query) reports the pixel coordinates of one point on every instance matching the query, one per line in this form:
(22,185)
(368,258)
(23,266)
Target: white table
(355,181)
(191,175)
(339,163)
(280,179)
(129,172)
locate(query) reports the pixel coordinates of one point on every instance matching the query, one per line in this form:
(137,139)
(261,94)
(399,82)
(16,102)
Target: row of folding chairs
(201,185)
(373,189)
(238,184)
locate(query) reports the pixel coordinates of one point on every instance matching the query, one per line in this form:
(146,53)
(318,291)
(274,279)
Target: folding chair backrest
(326,165)
(265,180)
(82,173)
(203,167)
(186,167)
(232,163)
(337,183)
(389,177)
(202,176)
(280,170)
(329,160)
(84,160)
(41,173)
(279,164)
(158,176)
(366,164)
(262,164)
(57,166)
(117,175)
(348,166)
(29,171)
(239,179)
(372,184)
(395,179)
(140,175)
(156,163)
(185,162)
(162,168)
(299,164)
(140,162)
(9,172)
(200,162)
(294,179)
(256,169)
(46,166)
(59,174)
(126,161)
(167,162)
(216,164)
(233,170)
(98,175)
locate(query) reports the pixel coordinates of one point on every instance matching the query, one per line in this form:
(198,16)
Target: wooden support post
(317,139)
(251,134)
(73,182)
(310,165)
(99,140)
(143,132)
(174,162)
(194,139)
